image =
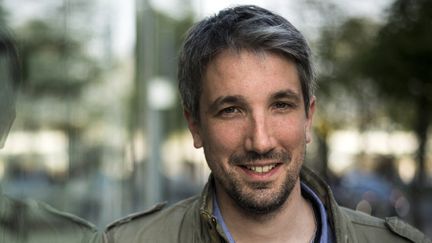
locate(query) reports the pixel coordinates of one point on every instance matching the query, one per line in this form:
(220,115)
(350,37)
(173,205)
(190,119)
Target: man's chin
(261,200)
(259,209)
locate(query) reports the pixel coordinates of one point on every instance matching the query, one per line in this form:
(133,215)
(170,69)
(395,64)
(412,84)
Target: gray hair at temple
(248,28)
(10,79)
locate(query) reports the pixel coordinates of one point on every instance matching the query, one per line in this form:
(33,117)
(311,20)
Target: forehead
(250,73)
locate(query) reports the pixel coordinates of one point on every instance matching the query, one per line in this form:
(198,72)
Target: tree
(400,62)
(345,94)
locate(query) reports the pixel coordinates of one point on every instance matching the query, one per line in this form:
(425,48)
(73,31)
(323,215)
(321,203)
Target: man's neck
(293,222)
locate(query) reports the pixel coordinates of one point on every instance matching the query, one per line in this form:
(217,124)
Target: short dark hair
(245,27)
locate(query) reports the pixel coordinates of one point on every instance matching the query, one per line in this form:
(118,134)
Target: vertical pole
(153,173)
(147,179)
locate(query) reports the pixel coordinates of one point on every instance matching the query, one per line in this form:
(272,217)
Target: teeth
(261,169)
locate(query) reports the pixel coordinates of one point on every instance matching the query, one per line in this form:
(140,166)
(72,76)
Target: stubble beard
(259,199)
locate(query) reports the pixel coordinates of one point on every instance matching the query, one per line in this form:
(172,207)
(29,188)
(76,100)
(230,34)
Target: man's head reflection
(9,82)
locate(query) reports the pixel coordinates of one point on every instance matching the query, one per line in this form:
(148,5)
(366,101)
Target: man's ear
(193,126)
(309,118)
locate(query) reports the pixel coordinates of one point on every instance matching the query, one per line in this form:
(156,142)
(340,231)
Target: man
(30,221)
(246,82)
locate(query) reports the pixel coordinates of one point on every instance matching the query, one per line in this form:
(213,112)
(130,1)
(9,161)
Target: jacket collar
(208,220)
(341,226)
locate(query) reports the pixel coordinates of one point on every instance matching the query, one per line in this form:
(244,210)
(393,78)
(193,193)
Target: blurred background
(99,129)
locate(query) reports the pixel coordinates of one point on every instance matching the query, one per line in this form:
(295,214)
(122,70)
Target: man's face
(253,128)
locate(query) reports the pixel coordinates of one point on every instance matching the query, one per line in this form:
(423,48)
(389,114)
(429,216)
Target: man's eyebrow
(287,94)
(229,99)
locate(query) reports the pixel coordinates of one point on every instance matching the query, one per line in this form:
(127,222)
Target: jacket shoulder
(42,223)
(64,216)
(36,212)
(134,216)
(153,225)
(372,228)
(63,226)
(403,229)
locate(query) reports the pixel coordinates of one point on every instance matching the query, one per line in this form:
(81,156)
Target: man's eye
(283,105)
(229,111)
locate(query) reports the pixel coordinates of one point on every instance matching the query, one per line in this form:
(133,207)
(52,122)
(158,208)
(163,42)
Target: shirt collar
(323,228)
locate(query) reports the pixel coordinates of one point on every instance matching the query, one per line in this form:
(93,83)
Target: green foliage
(53,62)
(401,59)
(345,94)
(342,51)
(56,67)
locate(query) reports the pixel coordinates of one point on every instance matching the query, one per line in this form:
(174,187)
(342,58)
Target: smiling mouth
(261,169)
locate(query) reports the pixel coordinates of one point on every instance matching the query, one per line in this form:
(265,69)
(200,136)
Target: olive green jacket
(192,220)
(35,222)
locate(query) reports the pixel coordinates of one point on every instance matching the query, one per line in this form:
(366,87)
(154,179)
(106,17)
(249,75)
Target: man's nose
(259,138)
